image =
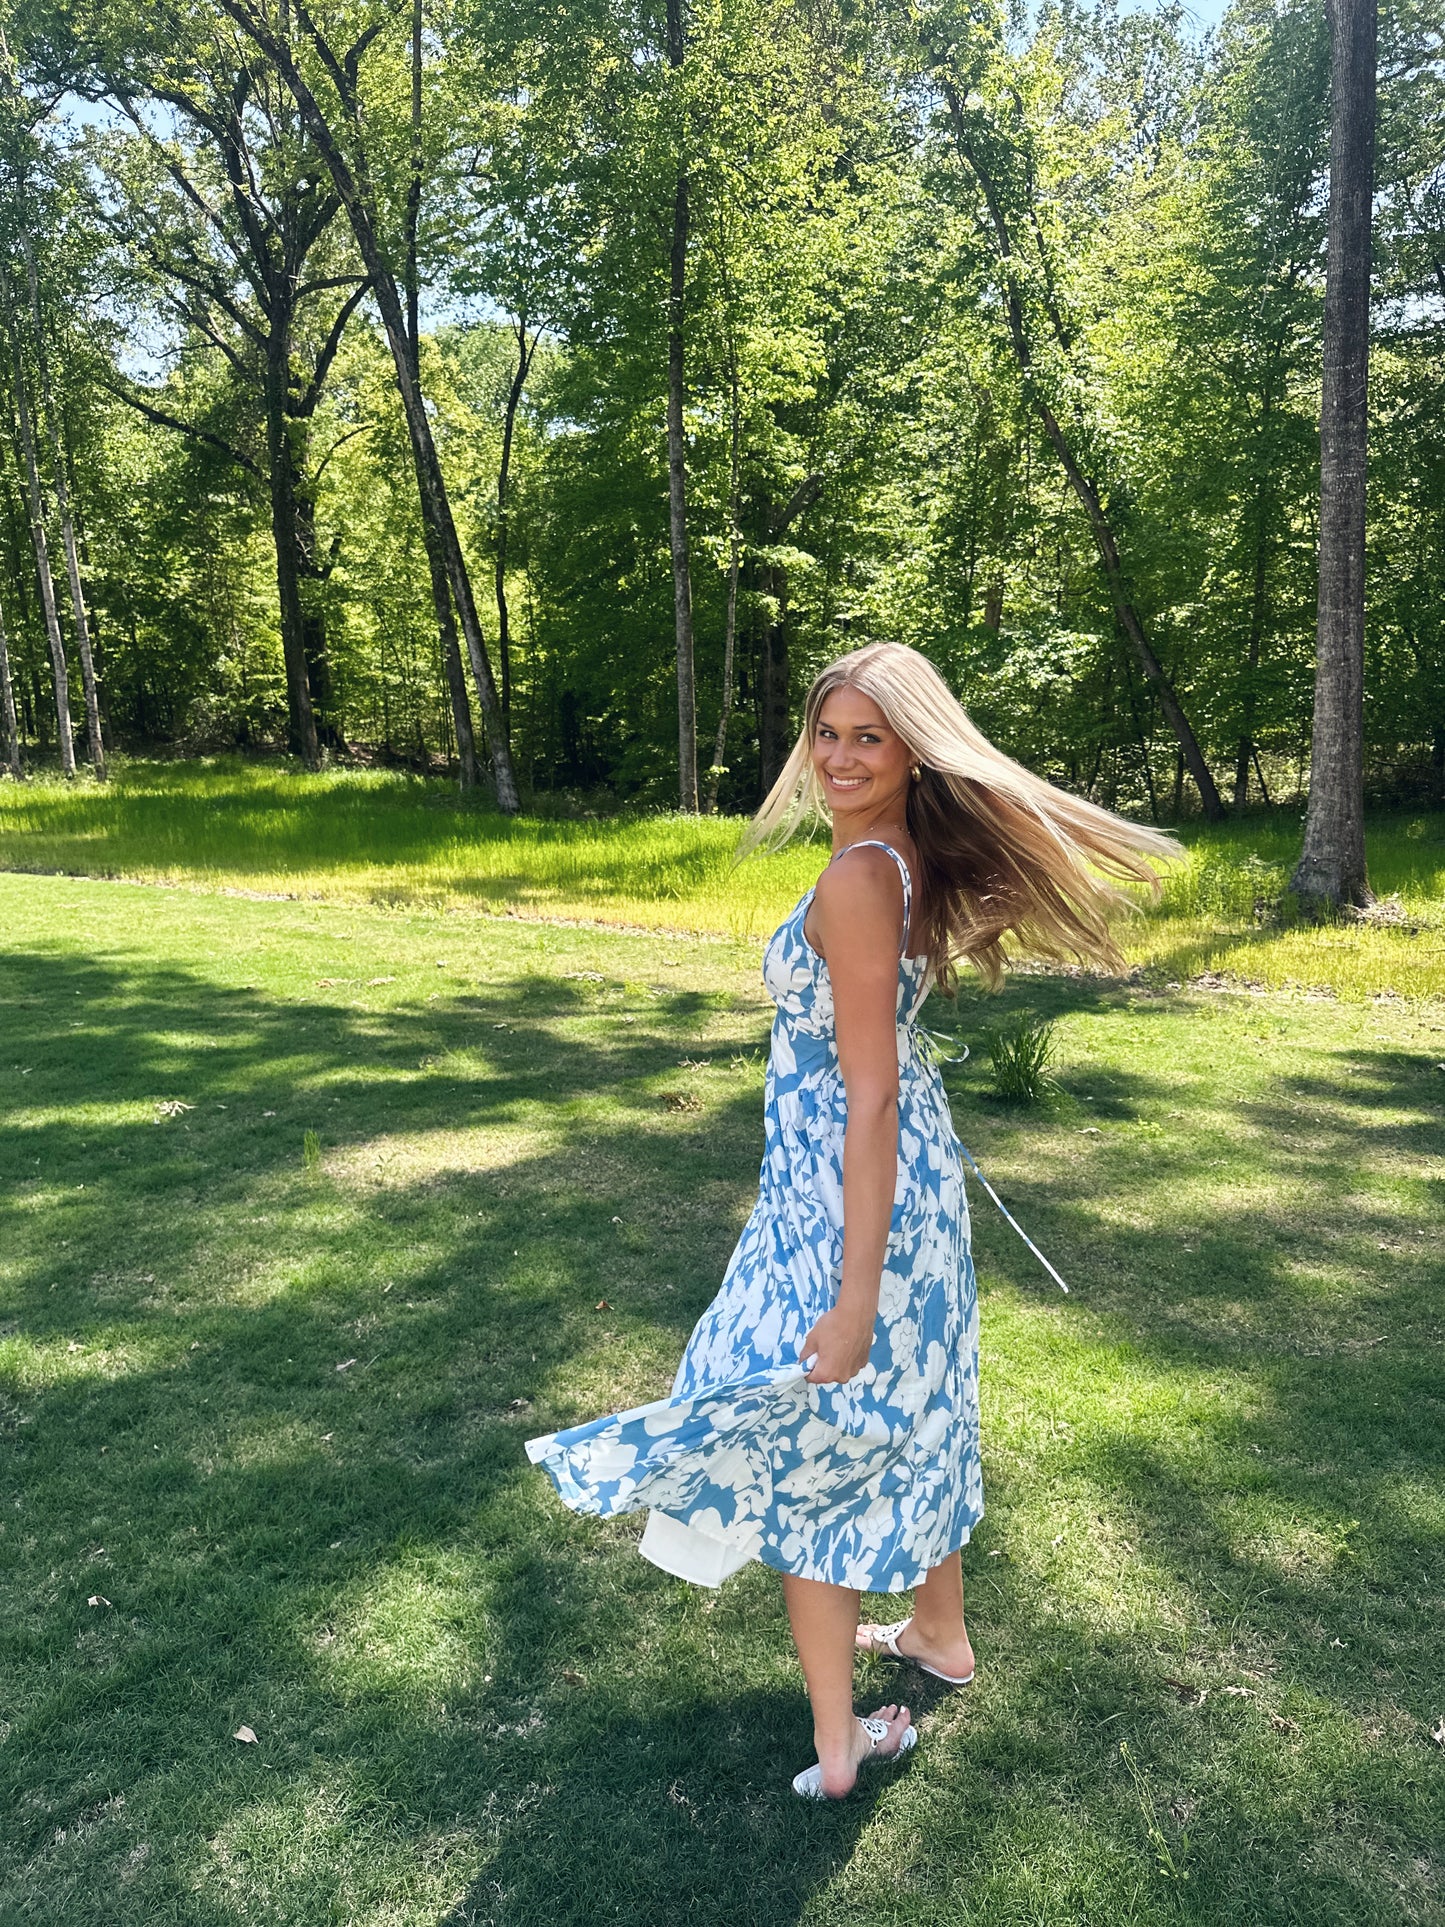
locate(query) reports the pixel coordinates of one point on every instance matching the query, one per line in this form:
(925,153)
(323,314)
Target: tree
(1331,869)
(230,211)
(676,441)
(21,150)
(340,131)
(987,117)
(8,720)
(29,464)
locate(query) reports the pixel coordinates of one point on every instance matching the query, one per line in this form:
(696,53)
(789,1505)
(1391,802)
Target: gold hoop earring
(917,771)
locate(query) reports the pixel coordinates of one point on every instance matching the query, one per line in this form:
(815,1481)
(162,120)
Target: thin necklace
(868,835)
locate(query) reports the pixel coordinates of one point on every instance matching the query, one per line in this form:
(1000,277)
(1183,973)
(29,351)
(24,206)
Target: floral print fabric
(866,1484)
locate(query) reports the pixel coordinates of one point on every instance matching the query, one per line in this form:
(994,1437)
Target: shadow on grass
(358,1563)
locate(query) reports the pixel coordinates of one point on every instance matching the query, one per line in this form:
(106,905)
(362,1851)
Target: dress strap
(877,843)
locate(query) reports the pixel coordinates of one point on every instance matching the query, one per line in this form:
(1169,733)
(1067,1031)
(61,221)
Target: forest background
(795,247)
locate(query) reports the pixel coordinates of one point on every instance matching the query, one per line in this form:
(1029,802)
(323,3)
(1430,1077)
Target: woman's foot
(838,1765)
(947,1656)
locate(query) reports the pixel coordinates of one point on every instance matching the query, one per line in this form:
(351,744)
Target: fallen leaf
(681,1101)
(1437,1732)
(268,1114)
(171,1107)
(602,1305)
(1281,1724)
(1058,1541)
(326,983)
(520,1405)
(381,980)
(244,1735)
(1091,1130)
(617,1220)
(97,1599)
(573,1679)
(629,1020)
(1240,1692)
(72,1346)
(346,1364)
(1339,1644)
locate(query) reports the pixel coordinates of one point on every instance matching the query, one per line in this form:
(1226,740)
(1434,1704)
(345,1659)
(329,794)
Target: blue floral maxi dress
(866,1484)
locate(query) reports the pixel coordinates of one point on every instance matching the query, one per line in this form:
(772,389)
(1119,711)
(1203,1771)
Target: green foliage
(846,337)
(1021,1052)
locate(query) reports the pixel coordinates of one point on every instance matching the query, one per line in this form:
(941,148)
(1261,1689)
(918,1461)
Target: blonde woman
(824,1418)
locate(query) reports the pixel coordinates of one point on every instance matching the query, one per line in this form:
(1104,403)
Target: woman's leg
(942,1637)
(936,1632)
(824,1619)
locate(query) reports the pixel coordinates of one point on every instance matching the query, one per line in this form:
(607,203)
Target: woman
(824,1418)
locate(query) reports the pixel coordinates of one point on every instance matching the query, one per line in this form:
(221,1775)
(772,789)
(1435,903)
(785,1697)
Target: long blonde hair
(1002,855)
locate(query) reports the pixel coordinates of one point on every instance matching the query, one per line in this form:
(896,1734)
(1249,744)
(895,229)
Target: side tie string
(935,1047)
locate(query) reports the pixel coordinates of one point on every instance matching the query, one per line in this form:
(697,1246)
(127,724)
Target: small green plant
(311,1150)
(1170,1865)
(1020,1053)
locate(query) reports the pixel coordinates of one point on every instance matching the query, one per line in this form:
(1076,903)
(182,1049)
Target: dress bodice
(797,980)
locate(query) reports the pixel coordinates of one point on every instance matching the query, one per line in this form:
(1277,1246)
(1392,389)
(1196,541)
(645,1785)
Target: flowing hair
(1002,855)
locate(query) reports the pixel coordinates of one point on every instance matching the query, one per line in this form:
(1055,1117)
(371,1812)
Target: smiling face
(862,763)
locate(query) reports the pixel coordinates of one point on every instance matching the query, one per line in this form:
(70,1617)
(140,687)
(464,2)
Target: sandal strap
(875,1729)
(887,1637)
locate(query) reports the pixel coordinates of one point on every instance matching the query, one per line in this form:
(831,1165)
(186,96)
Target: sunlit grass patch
(388,838)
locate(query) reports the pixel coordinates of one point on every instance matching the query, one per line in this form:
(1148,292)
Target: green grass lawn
(262,1413)
(382,837)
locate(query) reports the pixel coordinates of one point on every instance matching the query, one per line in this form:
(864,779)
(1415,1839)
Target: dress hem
(770,1557)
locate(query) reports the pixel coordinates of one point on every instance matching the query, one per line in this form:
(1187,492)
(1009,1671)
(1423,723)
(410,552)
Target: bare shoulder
(861,898)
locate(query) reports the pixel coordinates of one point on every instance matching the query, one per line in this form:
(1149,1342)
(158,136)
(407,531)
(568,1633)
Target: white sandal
(809,1783)
(884,1639)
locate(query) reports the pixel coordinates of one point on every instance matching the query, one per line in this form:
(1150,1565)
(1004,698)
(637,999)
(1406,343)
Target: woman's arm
(857,924)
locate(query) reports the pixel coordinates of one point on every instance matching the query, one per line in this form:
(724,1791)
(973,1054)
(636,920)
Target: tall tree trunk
(67,525)
(1245,750)
(1257,610)
(730,621)
(281,465)
(1083,486)
(774,671)
(312,571)
(504,477)
(436,509)
(35,501)
(469,774)
(451,653)
(677,458)
(8,720)
(774,678)
(1331,869)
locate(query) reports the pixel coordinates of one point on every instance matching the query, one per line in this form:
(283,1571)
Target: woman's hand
(838,1345)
